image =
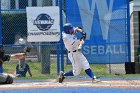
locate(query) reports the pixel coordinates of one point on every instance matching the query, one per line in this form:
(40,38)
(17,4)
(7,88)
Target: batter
(74,45)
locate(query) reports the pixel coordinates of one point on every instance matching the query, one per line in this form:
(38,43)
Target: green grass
(98,69)
(35,67)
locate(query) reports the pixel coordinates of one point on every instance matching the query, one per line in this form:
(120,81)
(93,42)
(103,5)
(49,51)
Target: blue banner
(0,25)
(105,22)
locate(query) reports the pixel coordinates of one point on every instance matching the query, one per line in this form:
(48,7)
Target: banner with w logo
(106,24)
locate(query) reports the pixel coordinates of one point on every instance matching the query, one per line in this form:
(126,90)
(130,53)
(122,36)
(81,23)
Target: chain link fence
(14,27)
(43,58)
(72,10)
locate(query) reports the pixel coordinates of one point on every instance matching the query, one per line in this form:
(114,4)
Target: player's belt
(72,51)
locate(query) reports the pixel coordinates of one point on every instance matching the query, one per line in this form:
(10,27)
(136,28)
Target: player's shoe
(61,77)
(95,80)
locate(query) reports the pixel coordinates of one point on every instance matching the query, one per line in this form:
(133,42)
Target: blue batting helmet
(67,28)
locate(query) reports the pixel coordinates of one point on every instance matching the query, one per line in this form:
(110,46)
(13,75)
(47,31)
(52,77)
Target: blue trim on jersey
(1,69)
(73,42)
(0,25)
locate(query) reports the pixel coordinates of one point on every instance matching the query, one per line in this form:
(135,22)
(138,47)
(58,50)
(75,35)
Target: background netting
(14,27)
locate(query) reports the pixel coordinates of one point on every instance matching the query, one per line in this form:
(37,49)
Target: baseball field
(84,84)
(45,83)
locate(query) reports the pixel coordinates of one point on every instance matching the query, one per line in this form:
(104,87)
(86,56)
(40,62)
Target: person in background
(6,57)
(22,68)
(6,78)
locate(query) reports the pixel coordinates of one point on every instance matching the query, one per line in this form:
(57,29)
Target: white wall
(132,32)
(39,2)
(136,5)
(5,4)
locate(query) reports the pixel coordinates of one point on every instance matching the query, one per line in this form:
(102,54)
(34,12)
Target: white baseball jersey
(76,57)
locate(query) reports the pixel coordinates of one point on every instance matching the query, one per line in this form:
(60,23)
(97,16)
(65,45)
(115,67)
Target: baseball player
(6,78)
(74,45)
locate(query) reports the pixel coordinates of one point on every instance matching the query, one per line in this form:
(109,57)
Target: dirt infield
(82,83)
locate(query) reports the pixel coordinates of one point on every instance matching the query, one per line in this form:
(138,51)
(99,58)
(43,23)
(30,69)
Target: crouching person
(6,78)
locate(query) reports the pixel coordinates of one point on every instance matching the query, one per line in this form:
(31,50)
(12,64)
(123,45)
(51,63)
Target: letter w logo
(87,13)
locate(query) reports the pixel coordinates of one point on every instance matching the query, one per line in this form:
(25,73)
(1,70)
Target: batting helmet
(68,27)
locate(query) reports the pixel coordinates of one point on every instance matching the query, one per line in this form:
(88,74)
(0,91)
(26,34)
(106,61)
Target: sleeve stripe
(73,42)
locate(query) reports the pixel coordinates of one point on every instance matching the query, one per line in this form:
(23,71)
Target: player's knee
(76,73)
(9,80)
